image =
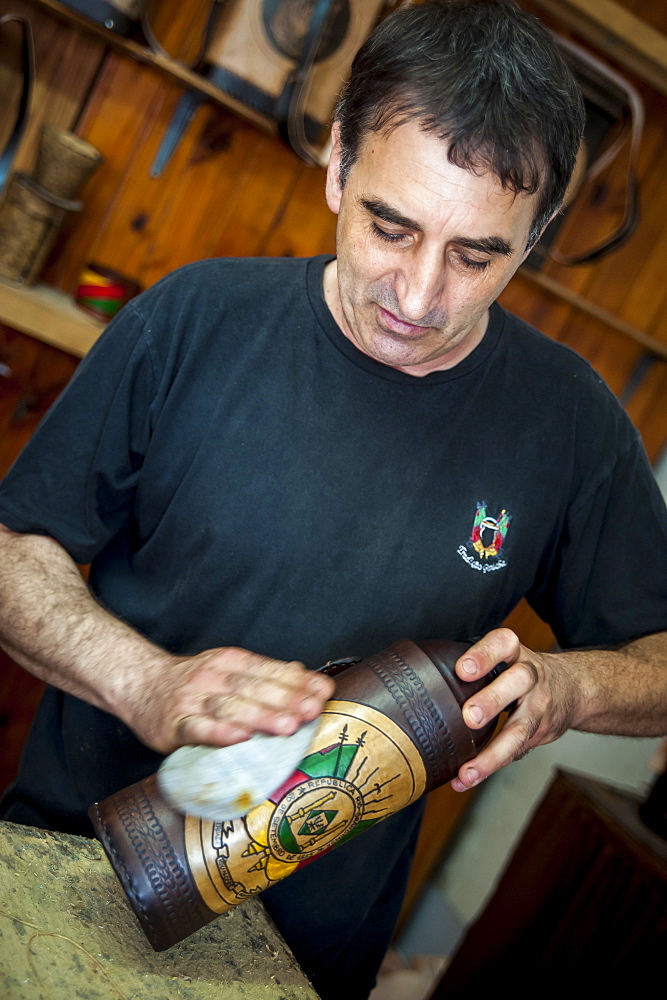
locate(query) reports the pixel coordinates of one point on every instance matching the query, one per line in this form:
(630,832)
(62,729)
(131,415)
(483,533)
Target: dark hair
(481,74)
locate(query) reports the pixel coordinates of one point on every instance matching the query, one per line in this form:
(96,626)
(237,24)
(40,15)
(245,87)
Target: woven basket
(64,161)
(29,224)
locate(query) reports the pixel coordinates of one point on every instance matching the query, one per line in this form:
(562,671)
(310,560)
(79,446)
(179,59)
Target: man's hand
(223,696)
(546,690)
(622,692)
(52,626)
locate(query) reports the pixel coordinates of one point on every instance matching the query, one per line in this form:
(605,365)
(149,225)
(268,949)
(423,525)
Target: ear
(334,188)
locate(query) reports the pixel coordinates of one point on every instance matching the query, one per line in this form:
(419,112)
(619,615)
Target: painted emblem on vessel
(361,768)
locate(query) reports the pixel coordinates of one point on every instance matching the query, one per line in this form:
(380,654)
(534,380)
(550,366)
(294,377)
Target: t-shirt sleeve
(608,583)
(76,477)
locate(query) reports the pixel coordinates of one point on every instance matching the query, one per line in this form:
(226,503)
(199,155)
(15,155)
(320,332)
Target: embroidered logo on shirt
(486,539)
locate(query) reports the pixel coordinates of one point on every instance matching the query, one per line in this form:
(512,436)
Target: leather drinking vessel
(393,732)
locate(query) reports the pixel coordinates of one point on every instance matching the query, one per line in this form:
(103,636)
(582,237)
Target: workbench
(68,933)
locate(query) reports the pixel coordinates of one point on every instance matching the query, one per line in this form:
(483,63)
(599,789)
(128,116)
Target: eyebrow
(486,244)
(495,245)
(388,214)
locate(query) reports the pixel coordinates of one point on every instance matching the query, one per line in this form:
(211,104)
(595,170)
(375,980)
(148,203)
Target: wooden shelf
(48,315)
(623,36)
(177,71)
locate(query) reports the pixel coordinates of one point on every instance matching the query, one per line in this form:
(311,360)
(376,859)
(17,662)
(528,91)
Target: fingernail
(472,774)
(475,713)
(468,666)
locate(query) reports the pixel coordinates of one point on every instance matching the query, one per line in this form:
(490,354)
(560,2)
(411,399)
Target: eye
(387,237)
(471,265)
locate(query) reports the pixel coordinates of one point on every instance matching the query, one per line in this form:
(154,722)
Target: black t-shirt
(238,473)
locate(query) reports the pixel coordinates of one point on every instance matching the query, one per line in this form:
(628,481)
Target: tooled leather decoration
(425,719)
(154,851)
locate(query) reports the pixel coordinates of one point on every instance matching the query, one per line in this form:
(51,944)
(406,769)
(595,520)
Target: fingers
(514,741)
(510,687)
(538,684)
(225,695)
(499,646)
(288,689)
(202,730)
(224,675)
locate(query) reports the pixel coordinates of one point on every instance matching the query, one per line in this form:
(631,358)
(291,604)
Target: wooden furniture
(68,932)
(582,904)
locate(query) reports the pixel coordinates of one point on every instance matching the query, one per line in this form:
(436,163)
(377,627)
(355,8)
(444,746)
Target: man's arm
(622,692)
(51,624)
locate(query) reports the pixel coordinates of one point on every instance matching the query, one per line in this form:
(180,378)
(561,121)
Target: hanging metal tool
(183,115)
(190,101)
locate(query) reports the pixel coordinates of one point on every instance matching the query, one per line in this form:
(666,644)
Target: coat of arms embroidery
(488,533)
(482,550)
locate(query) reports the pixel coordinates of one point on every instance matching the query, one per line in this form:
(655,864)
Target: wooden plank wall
(629,283)
(67,61)
(231,190)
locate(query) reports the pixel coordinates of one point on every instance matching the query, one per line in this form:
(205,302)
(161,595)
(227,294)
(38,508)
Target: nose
(420,284)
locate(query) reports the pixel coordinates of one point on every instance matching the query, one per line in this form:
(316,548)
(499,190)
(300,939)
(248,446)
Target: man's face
(424,248)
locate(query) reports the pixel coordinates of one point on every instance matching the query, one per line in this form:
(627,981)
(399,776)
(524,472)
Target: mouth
(392,324)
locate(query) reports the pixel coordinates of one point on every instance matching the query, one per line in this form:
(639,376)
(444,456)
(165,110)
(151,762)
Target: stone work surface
(67,933)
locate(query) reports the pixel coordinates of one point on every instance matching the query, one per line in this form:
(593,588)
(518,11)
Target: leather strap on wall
(579,57)
(290,112)
(197,63)
(27,67)
(289,108)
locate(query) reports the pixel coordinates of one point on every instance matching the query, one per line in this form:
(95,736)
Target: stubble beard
(385,296)
(392,347)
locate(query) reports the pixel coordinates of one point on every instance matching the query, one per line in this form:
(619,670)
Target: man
(306,459)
